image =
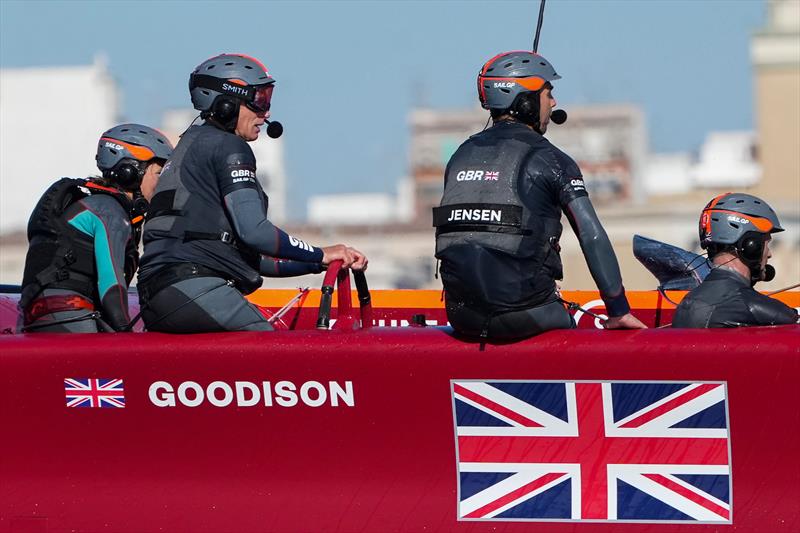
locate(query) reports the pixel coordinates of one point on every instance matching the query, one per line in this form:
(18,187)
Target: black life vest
(62,257)
(188,207)
(496,254)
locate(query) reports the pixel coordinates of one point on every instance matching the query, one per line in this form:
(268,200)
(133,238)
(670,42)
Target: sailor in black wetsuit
(84,237)
(498,224)
(736,229)
(207,239)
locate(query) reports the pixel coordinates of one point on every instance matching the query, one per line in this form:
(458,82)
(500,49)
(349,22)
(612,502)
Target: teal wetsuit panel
(91,225)
(104,220)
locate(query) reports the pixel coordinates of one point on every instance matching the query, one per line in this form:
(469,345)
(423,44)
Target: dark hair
(105,180)
(497,113)
(714,249)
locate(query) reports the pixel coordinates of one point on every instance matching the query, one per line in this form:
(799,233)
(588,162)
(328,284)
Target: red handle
(324,316)
(345,318)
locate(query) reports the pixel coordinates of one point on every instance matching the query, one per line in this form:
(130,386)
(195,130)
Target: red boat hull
(385,463)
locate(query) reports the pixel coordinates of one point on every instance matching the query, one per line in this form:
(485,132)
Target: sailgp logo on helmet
(114,146)
(504,84)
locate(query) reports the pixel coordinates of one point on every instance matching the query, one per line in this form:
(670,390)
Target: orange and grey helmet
(131,141)
(727,218)
(510,74)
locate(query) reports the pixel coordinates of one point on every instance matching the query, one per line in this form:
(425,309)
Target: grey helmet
(510,74)
(729,217)
(122,148)
(233,75)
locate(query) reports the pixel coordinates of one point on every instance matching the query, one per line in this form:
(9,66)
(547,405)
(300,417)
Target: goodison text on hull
(250,394)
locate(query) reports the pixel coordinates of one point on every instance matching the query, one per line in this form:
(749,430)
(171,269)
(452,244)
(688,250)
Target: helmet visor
(262,99)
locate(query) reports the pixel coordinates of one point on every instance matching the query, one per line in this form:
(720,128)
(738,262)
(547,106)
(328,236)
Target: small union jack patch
(94,392)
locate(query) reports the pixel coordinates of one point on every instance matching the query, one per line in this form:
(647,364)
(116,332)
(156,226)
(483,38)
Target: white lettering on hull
(249,394)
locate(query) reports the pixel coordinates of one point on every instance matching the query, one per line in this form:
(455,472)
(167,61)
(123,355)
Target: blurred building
(727,159)
(775,52)
(50,121)
(609,143)
(363,209)
(668,174)
(271,171)
(435,136)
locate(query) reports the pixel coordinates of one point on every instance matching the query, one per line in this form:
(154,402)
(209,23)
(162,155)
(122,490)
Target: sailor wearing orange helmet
(498,224)
(736,229)
(84,237)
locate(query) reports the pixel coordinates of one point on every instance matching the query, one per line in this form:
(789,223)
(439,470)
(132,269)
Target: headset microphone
(769,273)
(274,128)
(559,116)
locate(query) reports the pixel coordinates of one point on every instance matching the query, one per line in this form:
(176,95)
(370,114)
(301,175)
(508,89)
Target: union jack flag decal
(94,392)
(592,451)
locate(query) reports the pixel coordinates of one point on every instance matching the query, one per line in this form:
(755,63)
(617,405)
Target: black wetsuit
(725,299)
(81,258)
(498,228)
(207,239)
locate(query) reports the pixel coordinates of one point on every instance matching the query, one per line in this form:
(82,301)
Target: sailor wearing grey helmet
(207,240)
(84,237)
(498,224)
(736,229)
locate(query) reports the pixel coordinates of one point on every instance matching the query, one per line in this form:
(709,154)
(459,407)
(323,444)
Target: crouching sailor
(736,229)
(84,235)
(498,224)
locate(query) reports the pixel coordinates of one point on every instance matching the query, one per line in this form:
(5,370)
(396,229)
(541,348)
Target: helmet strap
(139,207)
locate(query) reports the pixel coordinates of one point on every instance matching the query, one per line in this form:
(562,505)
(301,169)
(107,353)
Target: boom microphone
(559,116)
(274,128)
(769,273)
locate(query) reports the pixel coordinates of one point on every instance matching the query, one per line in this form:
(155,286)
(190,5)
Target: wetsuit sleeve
(103,219)
(559,175)
(248,214)
(569,182)
(244,202)
(599,254)
(273,267)
(768,311)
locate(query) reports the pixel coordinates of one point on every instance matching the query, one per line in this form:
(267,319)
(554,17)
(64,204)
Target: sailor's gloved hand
(627,321)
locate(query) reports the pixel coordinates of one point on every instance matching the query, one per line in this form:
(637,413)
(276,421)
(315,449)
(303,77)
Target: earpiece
(127,174)
(225,111)
(526,106)
(750,247)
